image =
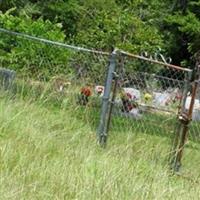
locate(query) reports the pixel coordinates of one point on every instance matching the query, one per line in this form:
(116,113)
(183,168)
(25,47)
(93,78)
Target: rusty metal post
(179,125)
(185,119)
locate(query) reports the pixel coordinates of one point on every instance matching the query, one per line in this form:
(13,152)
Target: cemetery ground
(48,150)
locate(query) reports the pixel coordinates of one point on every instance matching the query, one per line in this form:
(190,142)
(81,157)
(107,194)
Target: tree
(184,24)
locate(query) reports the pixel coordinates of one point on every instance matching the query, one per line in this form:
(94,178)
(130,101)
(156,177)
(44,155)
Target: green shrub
(29,57)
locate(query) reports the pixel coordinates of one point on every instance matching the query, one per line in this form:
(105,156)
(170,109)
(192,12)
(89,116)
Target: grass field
(50,152)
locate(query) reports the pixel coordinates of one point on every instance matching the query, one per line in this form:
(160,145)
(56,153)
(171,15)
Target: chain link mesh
(148,101)
(57,75)
(156,90)
(147,98)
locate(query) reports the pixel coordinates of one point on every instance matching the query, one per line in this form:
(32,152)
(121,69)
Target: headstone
(7,77)
(196,115)
(196,108)
(161,99)
(196,103)
(135,94)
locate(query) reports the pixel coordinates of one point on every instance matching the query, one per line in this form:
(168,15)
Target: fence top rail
(155,61)
(67,46)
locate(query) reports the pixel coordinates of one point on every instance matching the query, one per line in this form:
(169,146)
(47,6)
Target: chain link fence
(156,91)
(149,97)
(55,73)
(117,91)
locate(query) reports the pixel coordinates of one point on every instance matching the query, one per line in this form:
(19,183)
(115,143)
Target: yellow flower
(147,97)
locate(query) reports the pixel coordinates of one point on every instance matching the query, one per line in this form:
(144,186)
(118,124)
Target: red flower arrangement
(86,91)
(83,97)
(128,105)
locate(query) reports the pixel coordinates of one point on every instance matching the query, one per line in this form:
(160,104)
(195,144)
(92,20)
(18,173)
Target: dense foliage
(170,27)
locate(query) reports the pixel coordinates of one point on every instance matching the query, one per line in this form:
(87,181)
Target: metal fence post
(173,161)
(112,101)
(104,117)
(184,121)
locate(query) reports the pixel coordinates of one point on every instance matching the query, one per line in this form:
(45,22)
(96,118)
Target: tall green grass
(48,151)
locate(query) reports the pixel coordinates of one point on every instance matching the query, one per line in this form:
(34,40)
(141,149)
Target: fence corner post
(104,118)
(185,118)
